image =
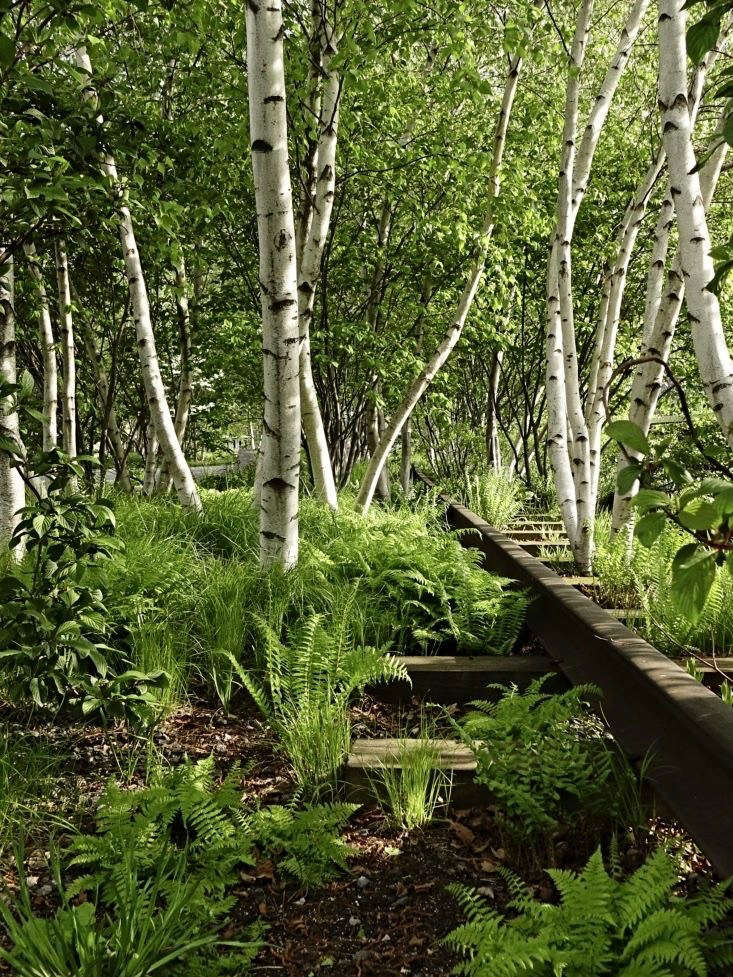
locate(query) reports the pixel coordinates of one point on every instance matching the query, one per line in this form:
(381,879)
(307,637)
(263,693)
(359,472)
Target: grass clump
(413,788)
(494,496)
(27,769)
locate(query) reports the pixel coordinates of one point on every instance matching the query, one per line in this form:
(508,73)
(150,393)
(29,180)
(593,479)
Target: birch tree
(12,490)
(315,223)
(280,454)
(663,303)
(453,333)
(68,353)
(568,436)
(696,263)
(154,388)
(48,353)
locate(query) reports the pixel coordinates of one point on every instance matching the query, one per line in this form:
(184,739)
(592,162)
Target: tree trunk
(48,352)
(278,285)
(453,333)
(154,388)
(68,355)
(713,358)
(568,435)
(151,460)
(319,206)
(406,459)
(493,450)
(12,489)
(185,379)
(662,308)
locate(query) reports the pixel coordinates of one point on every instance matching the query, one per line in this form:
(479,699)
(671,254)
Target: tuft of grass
(27,769)
(413,788)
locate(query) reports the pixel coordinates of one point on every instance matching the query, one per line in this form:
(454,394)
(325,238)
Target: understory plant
(494,496)
(413,787)
(546,760)
(27,767)
(600,925)
(54,628)
(304,691)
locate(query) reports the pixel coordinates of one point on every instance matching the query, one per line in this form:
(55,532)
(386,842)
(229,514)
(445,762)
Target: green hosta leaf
(630,435)
(649,527)
(693,573)
(650,499)
(627,477)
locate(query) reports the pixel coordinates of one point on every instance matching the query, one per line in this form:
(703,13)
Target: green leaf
(702,37)
(630,435)
(649,527)
(693,573)
(650,499)
(7,50)
(699,514)
(627,477)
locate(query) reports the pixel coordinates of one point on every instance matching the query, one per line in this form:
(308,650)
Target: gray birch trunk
(101,384)
(280,455)
(68,353)
(151,460)
(48,353)
(493,450)
(12,489)
(152,380)
(711,351)
(453,333)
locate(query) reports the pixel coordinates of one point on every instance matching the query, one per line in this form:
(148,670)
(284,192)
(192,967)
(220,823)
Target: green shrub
(492,495)
(54,629)
(601,925)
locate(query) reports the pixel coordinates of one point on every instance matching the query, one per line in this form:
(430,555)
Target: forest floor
(385,917)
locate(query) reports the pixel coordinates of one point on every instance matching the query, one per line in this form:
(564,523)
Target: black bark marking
(261,146)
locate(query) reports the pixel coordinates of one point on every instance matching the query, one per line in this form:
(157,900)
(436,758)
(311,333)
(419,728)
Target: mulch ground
(385,917)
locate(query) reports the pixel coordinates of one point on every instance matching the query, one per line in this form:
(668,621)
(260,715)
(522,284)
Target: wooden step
(588,582)
(445,679)
(536,546)
(627,613)
(531,534)
(368,756)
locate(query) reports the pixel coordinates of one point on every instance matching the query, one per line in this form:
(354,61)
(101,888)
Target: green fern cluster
(493,495)
(543,757)
(601,925)
(307,841)
(305,689)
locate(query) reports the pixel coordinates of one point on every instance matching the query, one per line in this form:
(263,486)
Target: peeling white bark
(154,388)
(711,351)
(280,458)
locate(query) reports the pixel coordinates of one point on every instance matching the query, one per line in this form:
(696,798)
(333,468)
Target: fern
(600,926)
(543,757)
(305,689)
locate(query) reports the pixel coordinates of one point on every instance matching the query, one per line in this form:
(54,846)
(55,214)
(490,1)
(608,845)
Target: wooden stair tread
(477,663)
(370,754)
(582,581)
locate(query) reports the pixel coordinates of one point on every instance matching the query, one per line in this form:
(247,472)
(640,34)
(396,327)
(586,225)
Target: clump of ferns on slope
(602,925)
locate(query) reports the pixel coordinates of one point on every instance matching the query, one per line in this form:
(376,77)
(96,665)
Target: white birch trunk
(662,308)
(571,450)
(280,457)
(319,207)
(12,489)
(68,353)
(154,388)
(563,390)
(48,352)
(711,351)
(185,379)
(453,333)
